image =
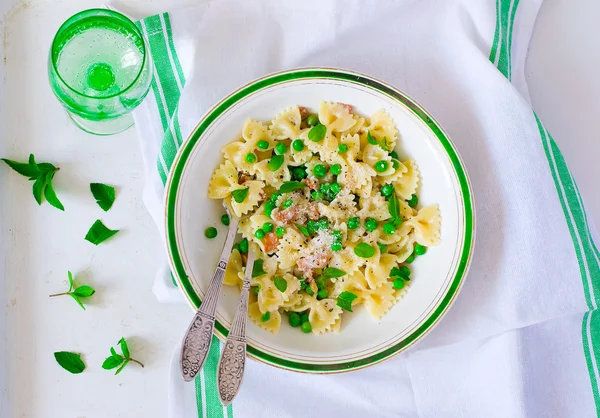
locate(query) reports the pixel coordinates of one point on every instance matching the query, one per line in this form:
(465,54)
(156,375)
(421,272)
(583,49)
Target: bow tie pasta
(333,210)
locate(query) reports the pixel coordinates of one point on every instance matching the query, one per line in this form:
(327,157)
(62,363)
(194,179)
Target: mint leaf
(38,189)
(70,275)
(290,186)
(257,268)
(332,272)
(24,169)
(280,284)
(275,162)
(345,299)
(303,229)
(394,209)
(113,352)
(240,195)
(99,233)
(50,194)
(104,195)
(122,367)
(364,250)
(84,291)
(124,347)
(76,299)
(370,139)
(112,362)
(71,362)
(317,132)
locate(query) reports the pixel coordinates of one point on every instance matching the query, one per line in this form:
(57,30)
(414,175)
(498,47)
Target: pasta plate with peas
(333,210)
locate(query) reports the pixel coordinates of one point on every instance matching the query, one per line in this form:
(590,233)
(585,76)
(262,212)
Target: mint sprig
(42,175)
(77,293)
(117,360)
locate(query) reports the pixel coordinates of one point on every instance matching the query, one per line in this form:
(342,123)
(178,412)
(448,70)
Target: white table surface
(40,243)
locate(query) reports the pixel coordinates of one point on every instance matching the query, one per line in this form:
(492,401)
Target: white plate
(436,277)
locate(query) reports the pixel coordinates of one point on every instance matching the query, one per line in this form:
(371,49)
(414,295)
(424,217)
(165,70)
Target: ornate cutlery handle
(198,337)
(233,358)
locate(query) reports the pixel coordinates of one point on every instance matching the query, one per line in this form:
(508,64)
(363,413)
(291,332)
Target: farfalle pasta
(332,210)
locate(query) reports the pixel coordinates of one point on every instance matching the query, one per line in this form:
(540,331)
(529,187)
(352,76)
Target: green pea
(225,219)
(394,154)
(370,224)
(321,282)
(336,246)
(322,294)
(309,291)
(387,190)
(337,235)
(287,203)
(298,145)
(316,195)
(414,201)
(244,246)
(210,232)
(266,316)
(389,228)
(410,259)
(256,289)
(267,227)
(269,206)
(342,148)
(405,272)
(336,169)
(294,319)
(323,223)
(312,226)
(395,164)
(260,234)
(381,166)
(274,196)
(280,148)
(353,223)
(420,249)
(250,157)
(280,231)
(382,247)
(325,188)
(262,144)
(319,171)
(303,317)
(312,119)
(335,188)
(306,327)
(236,246)
(398,284)
(298,173)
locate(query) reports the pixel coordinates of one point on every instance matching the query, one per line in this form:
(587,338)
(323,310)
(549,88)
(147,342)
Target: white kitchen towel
(523,337)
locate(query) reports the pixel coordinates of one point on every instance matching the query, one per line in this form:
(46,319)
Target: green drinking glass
(100,69)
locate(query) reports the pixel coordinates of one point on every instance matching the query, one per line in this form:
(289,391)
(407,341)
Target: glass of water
(100,69)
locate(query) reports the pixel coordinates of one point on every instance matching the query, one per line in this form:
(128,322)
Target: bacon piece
(312,183)
(304,112)
(271,242)
(287,215)
(313,212)
(243,178)
(346,106)
(308,264)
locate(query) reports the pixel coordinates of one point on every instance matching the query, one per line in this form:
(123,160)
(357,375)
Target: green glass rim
(466,251)
(91,12)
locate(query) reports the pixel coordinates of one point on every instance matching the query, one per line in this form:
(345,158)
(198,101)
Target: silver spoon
(233,358)
(198,337)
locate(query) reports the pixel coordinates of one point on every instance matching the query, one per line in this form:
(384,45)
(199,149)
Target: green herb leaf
(124,347)
(112,362)
(114,352)
(257,268)
(364,250)
(122,367)
(71,362)
(394,207)
(70,276)
(304,230)
(99,232)
(46,168)
(275,162)
(104,195)
(24,169)
(332,272)
(49,192)
(76,299)
(38,188)
(280,284)
(290,186)
(370,139)
(317,132)
(84,291)
(345,299)
(385,144)
(240,195)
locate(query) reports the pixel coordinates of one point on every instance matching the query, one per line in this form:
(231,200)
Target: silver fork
(198,337)
(233,358)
